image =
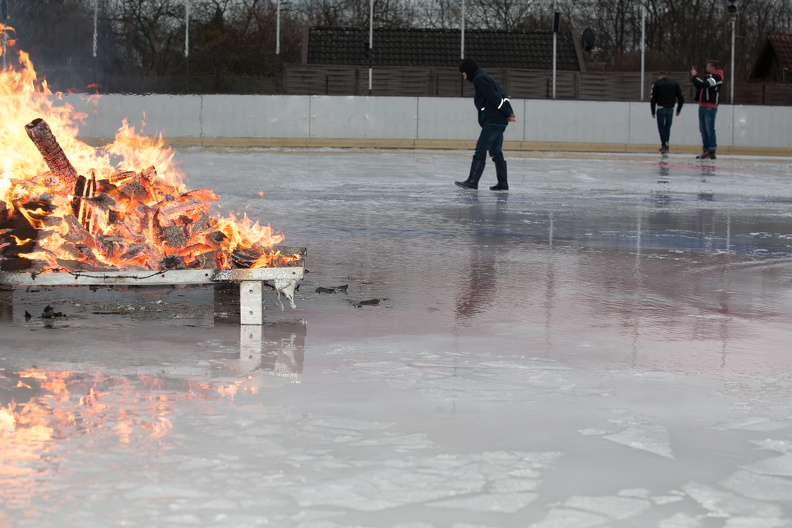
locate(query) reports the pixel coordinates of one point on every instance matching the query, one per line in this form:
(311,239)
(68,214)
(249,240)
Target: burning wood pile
(98,217)
(120,220)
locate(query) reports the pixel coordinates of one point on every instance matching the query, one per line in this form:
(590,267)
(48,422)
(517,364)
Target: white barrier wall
(207,119)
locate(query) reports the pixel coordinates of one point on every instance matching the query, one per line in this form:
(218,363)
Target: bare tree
(238,37)
(56,33)
(153,31)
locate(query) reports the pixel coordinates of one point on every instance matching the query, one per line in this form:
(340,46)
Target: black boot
(500,172)
(476,170)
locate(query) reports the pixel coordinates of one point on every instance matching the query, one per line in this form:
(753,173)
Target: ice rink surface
(607,344)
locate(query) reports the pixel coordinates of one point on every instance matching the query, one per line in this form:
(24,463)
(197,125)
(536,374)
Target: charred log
(16,264)
(172,262)
(245,258)
(134,251)
(84,254)
(119,178)
(40,133)
(174,236)
(217,237)
(204,261)
(112,246)
(137,189)
(17,234)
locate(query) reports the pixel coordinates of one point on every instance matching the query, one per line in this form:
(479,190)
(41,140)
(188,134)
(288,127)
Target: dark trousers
(490,140)
(665,116)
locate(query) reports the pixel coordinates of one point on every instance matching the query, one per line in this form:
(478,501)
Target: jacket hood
(468,66)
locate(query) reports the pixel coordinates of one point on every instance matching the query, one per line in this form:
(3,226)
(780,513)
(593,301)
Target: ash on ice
(606,344)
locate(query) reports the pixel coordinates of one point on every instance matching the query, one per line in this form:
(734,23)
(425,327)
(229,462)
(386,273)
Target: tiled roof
(782,44)
(441,48)
(775,60)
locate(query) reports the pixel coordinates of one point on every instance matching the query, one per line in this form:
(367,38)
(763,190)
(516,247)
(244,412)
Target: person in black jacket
(666,93)
(494,113)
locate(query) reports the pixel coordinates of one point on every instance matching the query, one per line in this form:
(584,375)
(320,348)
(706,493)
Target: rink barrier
(421,123)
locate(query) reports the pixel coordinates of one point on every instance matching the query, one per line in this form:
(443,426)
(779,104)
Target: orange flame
(135,213)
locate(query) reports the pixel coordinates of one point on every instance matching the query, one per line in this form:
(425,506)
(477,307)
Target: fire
(124,206)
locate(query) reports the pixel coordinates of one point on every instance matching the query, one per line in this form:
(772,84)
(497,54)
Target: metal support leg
(250,343)
(6,304)
(251,302)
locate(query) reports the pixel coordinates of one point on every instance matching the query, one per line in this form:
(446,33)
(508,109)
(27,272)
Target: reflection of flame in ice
(64,407)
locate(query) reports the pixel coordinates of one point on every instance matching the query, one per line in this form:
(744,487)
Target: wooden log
(172,262)
(244,258)
(76,234)
(189,210)
(82,253)
(174,236)
(135,189)
(19,264)
(40,133)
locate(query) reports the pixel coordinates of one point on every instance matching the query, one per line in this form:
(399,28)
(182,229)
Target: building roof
(441,48)
(775,60)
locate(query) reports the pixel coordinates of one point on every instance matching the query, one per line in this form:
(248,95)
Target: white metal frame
(251,282)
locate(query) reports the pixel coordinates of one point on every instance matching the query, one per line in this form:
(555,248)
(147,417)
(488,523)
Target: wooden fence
(302,79)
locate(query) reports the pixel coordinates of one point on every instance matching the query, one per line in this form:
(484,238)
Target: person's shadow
(476,293)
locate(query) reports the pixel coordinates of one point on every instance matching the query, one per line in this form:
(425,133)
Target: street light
(277,47)
(4,20)
(733,13)
(186,46)
(643,47)
(370,43)
(95,24)
(556,27)
(462,49)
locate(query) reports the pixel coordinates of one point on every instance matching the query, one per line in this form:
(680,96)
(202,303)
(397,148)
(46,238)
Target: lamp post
(462,50)
(556,27)
(4,20)
(186,46)
(95,19)
(733,15)
(277,47)
(643,46)
(371,42)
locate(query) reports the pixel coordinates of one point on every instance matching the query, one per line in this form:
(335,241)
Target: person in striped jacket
(708,96)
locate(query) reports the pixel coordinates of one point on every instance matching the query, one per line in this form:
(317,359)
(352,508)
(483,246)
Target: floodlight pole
(4,15)
(95,19)
(555,44)
(643,46)
(462,50)
(186,46)
(277,47)
(733,31)
(371,41)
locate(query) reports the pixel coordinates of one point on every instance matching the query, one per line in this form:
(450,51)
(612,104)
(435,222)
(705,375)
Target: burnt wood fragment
(174,236)
(14,263)
(41,135)
(172,262)
(245,258)
(333,289)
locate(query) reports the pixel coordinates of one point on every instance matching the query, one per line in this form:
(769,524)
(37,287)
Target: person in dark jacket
(666,93)
(494,113)
(708,96)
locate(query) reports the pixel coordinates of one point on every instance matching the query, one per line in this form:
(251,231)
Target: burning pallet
(129,227)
